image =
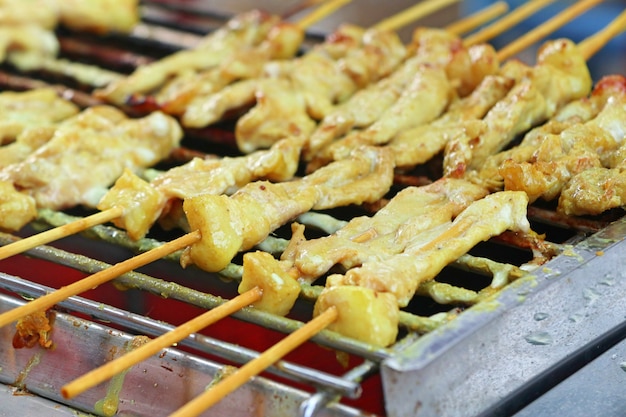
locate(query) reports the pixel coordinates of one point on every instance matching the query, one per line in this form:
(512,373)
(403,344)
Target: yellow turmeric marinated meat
(20,111)
(560,76)
(161,197)
(232,224)
(576,112)
(463,67)
(243,30)
(558,157)
(428,253)
(323,77)
(412,211)
(88,152)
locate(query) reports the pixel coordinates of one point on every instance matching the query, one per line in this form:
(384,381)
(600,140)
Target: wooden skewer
(154,346)
(60,232)
(256,366)
(483,16)
(92,281)
(413,13)
(546,28)
(595,42)
(321,12)
(508,21)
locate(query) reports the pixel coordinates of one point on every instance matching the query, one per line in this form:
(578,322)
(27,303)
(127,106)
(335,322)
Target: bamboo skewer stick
(92,281)
(595,42)
(475,20)
(256,366)
(546,28)
(60,232)
(412,14)
(508,21)
(154,346)
(321,12)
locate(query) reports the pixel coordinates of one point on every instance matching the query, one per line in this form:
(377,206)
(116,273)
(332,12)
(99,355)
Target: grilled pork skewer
(428,139)
(20,111)
(236,50)
(579,111)
(100,141)
(141,216)
(289,102)
(559,157)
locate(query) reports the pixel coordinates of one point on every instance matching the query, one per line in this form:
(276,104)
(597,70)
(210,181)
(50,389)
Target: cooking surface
(491,351)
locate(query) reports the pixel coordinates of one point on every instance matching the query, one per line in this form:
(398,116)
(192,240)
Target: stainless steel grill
(466,357)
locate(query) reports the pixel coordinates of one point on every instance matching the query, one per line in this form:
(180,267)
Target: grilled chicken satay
(87,153)
(412,211)
(232,224)
(576,149)
(594,191)
(20,111)
(576,112)
(42,13)
(439,57)
(428,253)
(382,286)
(560,76)
(328,74)
(146,202)
(242,31)
(420,144)
(99,16)
(27,42)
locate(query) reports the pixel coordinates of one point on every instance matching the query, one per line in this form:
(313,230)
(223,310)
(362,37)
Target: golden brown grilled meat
(420,144)
(409,213)
(88,152)
(576,112)
(321,78)
(99,16)
(242,31)
(429,252)
(232,224)
(20,111)
(429,47)
(560,76)
(558,157)
(161,197)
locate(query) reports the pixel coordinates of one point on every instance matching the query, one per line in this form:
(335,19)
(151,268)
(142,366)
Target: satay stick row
(226,167)
(226,56)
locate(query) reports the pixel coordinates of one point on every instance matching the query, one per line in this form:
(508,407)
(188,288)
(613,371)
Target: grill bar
(140,324)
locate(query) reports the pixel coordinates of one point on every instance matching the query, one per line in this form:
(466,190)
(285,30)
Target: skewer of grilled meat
(20,111)
(293,93)
(396,278)
(580,111)
(86,154)
(162,197)
(240,33)
(232,224)
(559,157)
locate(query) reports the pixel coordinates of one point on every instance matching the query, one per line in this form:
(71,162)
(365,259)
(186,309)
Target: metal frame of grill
(488,359)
